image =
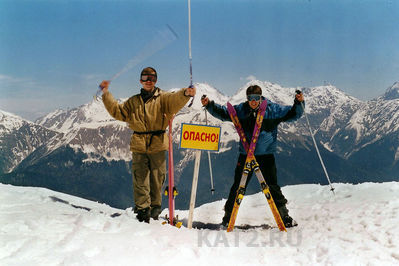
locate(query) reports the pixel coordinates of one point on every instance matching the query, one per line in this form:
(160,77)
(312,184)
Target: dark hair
(148,70)
(254,89)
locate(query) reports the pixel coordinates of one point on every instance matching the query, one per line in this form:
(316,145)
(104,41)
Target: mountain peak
(392,92)
(4,114)
(10,121)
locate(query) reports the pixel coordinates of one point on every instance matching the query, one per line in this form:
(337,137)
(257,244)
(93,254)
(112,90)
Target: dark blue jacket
(274,115)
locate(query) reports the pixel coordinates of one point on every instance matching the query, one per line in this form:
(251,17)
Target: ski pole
(209,154)
(162,38)
(315,144)
(190,58)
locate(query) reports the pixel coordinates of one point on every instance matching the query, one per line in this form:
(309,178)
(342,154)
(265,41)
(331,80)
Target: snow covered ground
(358,226)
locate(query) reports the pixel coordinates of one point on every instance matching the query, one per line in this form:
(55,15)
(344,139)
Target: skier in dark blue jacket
(265,146)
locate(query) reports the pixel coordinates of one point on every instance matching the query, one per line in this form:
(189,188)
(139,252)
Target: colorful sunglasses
(254,97)
(148,77)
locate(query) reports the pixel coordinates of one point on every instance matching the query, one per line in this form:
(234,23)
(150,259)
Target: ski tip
(263,104)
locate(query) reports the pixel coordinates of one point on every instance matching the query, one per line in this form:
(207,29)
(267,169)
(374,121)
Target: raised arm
(116,110)
(218,111)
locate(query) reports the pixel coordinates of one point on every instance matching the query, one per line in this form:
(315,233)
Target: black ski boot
(289,222)
(155,212)
(287,219)
(143,215)
(226,219)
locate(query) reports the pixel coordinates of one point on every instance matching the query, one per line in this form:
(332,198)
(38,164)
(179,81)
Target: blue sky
(53,54)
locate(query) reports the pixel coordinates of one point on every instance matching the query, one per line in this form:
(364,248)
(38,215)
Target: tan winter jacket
(153,116)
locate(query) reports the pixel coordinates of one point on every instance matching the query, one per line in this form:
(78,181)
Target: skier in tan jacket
(147,114)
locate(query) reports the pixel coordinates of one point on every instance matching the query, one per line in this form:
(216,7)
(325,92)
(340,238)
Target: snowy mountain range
(359,141)
(19,138)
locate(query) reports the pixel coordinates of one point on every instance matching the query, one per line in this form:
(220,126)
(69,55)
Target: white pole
(189,31)
(209,158)
(160,40)
(317,150)
(210,171)
(189,50)
(194,189)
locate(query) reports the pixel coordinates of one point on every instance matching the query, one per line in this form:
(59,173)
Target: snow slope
(356,227)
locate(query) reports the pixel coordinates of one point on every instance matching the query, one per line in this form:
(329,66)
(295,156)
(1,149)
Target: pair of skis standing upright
(250,165)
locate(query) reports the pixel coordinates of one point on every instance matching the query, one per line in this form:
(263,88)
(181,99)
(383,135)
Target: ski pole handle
(103,85)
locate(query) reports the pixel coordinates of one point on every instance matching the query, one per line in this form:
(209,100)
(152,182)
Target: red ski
(170,190)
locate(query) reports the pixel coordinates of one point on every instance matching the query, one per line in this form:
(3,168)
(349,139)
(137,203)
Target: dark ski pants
(268,168)
(149,173)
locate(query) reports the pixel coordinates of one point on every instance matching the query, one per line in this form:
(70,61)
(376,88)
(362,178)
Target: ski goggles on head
(253,97)
(148,77)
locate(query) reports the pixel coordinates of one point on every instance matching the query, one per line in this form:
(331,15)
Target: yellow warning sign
(200,137)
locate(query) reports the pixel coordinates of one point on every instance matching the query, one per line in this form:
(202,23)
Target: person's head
(148,78)
(254,95)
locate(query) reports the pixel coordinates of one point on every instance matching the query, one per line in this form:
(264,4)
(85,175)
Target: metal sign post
(198,137)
